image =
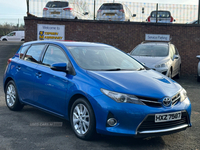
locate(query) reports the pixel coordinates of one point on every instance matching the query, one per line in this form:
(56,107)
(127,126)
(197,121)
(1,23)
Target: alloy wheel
(81,119)
(11,95)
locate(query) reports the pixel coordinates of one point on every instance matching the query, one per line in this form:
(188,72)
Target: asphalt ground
(32,129)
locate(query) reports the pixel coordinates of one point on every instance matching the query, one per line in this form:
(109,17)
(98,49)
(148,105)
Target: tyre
(170,73)
(4,40)
(11,97)
(82,119)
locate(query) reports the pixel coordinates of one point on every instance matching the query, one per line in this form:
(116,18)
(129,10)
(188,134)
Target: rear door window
(34,52)
(161,14)
(57,4)
(111,7)
(22,51)
(54,55)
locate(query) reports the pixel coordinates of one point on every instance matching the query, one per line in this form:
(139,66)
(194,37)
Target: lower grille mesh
(149,123)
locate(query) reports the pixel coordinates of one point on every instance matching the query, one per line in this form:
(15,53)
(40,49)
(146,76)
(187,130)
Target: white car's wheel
(170,73)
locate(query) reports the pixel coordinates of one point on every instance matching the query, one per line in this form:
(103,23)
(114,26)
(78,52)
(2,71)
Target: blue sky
(12,10)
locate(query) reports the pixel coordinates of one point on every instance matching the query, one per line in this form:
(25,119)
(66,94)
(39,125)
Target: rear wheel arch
(6,82)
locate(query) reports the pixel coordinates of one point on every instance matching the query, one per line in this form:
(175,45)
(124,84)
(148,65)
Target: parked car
(114,12)
(64,9)
(193,22)
(160,56)
(198,69)
(97,87)
(13,36)
(163,16)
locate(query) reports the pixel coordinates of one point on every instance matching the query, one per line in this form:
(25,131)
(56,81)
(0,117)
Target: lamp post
(27,2)
(199,13)
(94,9)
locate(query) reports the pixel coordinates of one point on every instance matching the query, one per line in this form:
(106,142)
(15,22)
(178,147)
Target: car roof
(66,43)
(111,3)
(161,10)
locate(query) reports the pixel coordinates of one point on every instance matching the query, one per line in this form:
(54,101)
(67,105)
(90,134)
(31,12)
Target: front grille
(149,123)
(153,102)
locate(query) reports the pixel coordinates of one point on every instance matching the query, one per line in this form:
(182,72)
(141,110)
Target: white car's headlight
(163,65)
(122,98)
(183,94)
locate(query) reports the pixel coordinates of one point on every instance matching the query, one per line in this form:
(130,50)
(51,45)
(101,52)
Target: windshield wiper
(114,69)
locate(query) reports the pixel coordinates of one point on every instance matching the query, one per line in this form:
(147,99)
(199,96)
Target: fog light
(112,122)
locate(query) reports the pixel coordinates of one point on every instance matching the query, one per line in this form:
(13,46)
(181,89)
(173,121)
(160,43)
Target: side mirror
(134,15)
(176,56)
(85,13)
(59,67)
(198,56)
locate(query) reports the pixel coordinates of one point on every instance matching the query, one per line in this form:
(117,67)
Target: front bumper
(130,117)
(163,70)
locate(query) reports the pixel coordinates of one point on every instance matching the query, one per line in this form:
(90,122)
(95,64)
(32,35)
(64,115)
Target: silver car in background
(114,12)
(64,9)
(198,69)
(160,56)
(163,16)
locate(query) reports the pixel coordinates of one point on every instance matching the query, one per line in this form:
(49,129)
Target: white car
(14,36)
(160,56)
(198,69)
(64,9)
(163,16)
(114,12)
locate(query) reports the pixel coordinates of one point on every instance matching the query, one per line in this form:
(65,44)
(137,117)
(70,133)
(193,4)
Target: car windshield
(57,4)
(103,58)
(111,7)
(151,50)
(160,14)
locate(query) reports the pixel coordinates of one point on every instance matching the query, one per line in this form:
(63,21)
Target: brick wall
(126,35)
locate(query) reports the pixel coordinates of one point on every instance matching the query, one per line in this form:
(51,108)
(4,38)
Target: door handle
(18,68)
(39,75)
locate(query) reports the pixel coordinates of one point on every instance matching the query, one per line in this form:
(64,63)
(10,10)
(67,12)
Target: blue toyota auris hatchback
(97,87)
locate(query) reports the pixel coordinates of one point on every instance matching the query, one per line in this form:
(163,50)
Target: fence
(181,13)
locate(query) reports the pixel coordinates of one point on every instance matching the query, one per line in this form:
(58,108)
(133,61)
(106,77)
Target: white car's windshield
(103,58)
(151,50)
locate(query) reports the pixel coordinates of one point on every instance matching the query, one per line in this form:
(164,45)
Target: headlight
(122,98)
(183,94)
(163,65)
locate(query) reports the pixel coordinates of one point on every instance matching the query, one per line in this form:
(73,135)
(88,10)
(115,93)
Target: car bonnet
(146,83)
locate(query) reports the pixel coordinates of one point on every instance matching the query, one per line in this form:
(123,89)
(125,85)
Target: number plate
(55,12)
(167,117)
(110,14)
